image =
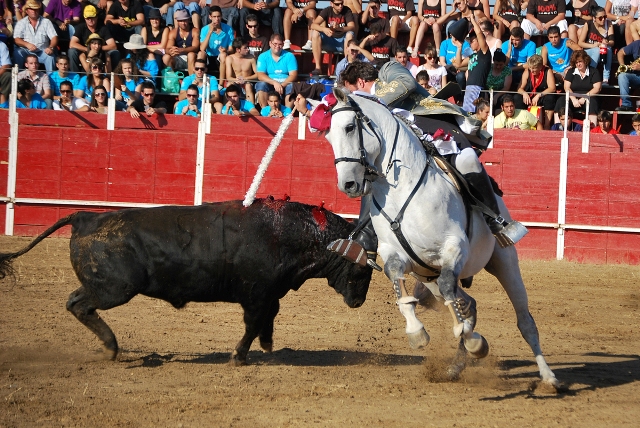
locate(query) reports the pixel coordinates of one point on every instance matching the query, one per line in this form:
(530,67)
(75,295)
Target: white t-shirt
(435,76)
(76,103)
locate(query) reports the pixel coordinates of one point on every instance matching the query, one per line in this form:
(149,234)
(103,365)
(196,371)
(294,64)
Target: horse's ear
(340,95)
(314,103)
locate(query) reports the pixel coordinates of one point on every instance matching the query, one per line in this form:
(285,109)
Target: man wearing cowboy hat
(35,35)
(78,45)
(64,14)
(125,17)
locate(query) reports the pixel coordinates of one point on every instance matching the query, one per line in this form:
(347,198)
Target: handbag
(171,80)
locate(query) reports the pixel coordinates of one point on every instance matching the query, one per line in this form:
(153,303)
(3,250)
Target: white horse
(414,195)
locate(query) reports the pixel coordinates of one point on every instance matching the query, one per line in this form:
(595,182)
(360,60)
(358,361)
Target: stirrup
(507,233)
(354,252)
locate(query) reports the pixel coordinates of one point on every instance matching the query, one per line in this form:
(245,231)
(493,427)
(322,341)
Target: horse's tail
(6,258)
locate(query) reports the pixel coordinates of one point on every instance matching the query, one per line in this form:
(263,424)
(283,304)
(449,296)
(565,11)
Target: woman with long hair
(595,37)
(127,81)
(94,50)
(482,111)
(156,34)
(437,73)
(96,76)
(142,57)
(537,88)
(99,103)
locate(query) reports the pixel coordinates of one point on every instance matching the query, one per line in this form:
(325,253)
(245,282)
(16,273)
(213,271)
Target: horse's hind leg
(394,268)
(83,305)
(504,266)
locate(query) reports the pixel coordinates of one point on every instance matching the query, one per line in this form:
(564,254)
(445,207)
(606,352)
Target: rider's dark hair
(359,70)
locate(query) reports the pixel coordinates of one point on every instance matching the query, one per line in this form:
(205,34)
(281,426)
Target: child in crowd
(604,124)
(572,126)
(94,50)
(436,72)
(128,82)
(635,122)
(274,108)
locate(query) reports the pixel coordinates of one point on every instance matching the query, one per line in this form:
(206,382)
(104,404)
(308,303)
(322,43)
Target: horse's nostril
(351,185)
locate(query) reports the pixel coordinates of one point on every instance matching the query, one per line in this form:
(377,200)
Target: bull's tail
(6,258)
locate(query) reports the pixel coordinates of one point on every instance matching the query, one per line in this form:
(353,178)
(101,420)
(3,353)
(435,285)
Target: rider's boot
(506,233)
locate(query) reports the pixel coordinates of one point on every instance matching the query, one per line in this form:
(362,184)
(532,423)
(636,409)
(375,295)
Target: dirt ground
(331,365)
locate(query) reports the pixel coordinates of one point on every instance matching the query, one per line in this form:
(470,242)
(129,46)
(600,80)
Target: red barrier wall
(73,157)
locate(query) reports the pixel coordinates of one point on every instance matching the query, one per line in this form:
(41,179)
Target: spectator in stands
(269,13)
(537,88)
(518,50)
(431,14)
(506,13)
(40,79)
(155,35)
(619,12)
(448,58)
(215,40)
(369,16)
(257,44)
(402,56)
(147,103)
(5,73)
(90,26)
(436,72)
(479,63)
(353,53)
(582,79)
(542,15)
(465,8)
(191,105)
(513,118)
(197,79)
(635,122)
(128,82)
(230,12)
(595,36)
(64,14)
(236,105)
(57,77)
(631,78)
(125,18)
(582,14)
(277,70)
(604,124)
(499,78)
(92,79)
(556,53)
(162,6)
(378,47)
(183,44)
(494,43)
(94,50)
(300,12)
(571,125)
(483,109)
(274,108)
(144,59)
(67,101)
(242,68)
(34,35)
(422,78)
(27,97)
(403,20)
(99,103)
(334,27)
(193,9)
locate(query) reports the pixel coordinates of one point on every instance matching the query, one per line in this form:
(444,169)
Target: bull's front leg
(266,333)
(253,320)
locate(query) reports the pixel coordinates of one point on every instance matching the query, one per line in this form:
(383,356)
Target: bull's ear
(340,95)
(314,103)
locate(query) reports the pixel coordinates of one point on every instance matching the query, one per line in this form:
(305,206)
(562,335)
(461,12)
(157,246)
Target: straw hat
(135,42)
(94,36)
(32,4)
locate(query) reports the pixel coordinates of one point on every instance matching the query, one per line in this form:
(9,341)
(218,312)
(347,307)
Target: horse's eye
(349,129)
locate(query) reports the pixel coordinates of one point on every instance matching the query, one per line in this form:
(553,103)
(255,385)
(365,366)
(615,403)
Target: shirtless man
(241,68)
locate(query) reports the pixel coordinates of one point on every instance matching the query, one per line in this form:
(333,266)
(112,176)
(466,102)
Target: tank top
(558,57)
(539,86)
(476,7)
(155,40)
(593,35)
(432,11)
(584,11)
(510,13)
(184,42)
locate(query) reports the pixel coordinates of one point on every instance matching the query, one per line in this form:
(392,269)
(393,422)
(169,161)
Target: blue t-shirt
(278,71)
(245,106)
(266,110)
(182,104)
(222,39)
(131,86)
(88,91)
(448,50)
(519,55)
(190,80)
(633,133)
(37,102)
(56,80)
(558,57)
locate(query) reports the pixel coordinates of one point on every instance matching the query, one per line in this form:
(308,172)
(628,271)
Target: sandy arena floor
(331,365)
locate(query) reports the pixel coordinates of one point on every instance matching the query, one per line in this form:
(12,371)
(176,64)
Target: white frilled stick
(266,160)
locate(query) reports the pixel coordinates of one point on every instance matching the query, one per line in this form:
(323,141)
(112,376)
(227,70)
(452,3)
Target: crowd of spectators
(529,53)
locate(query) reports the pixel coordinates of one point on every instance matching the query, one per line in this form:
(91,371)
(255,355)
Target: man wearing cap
(35,35)
(125,17)
(78,41)
(183,44)
(64,14)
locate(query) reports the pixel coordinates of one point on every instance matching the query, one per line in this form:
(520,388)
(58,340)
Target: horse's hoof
(266,346)
(548,387)
(477,346)
(454,371)
(418,339)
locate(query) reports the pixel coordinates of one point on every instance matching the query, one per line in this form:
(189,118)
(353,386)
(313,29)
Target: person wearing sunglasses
(334,27)
(27,97)
(191,105)
(147,104)
(100,101)
(582,13)
(596,37)
(67,101)
(437,73)
(267,11)
(96,76)
(257,43)
(197,78)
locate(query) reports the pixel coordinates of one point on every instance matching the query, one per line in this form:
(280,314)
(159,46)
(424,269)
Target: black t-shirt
(365,29)
(400,7)
(594,36)
(339,20)
(585,11)
(257,46)
(479,68)
(83,33)
(582,86)
(129,15)
(140,107)
(545,11)
(382,51)
(159,3)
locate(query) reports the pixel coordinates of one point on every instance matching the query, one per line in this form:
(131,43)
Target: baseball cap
(90,12)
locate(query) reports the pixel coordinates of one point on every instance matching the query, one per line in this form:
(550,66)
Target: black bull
(215,252)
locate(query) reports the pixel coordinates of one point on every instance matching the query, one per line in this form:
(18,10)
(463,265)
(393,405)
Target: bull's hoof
(110,353)
(236,360)
(418,339)
(478,346)
(266,346)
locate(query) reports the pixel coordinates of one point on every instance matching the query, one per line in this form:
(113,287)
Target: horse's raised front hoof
(418,339)
(266,346)
(478,347)
(236,360)
(548,387)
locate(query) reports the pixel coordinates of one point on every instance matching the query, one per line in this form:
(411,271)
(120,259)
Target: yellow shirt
(521,119)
